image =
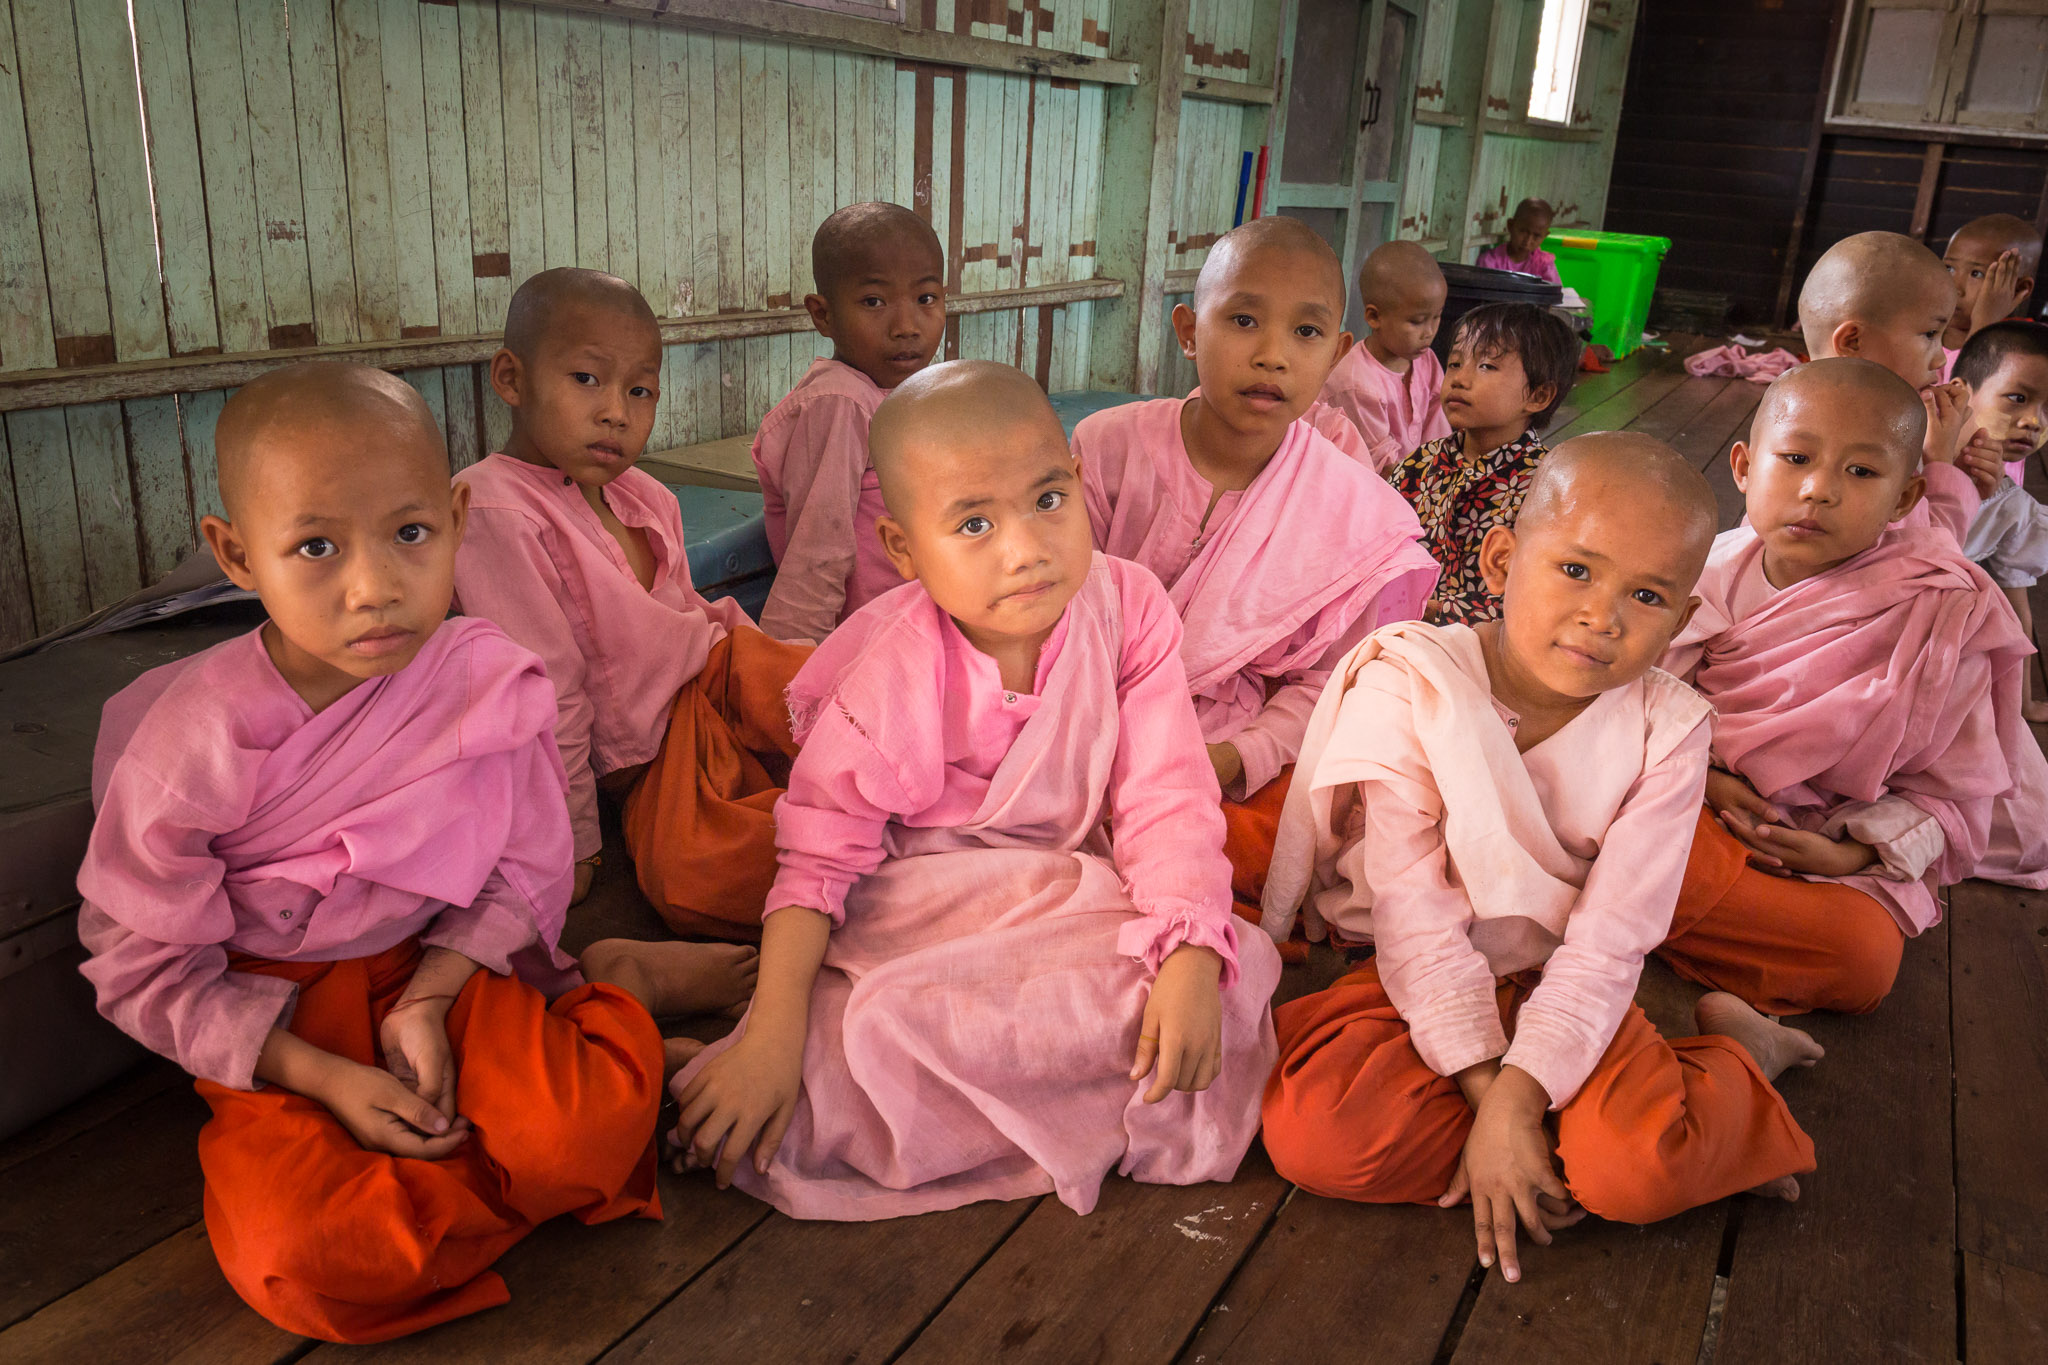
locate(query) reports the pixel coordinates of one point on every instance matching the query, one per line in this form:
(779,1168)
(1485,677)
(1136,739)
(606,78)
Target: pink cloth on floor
(821,500)
(537,561)
(232,818)
(1397,413)
(1540,263)
(972,1029)
(1273,582)
(1738,363)
(1413,822)
(1881,700)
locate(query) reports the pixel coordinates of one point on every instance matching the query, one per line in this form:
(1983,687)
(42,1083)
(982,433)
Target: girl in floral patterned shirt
(1511,366)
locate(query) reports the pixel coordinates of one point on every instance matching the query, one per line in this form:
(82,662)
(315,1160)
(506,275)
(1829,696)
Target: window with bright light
(1558,44)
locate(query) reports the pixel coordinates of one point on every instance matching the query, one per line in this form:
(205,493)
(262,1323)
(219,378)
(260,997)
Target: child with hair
(1278,552)
(1521,246)
(1883,297)
(1511,366)
(880,277)
(1865,679)
(671,701)
(328,878)
(1502,810)
(1993,260)
(972,987)
(1389,383)
(2006,366)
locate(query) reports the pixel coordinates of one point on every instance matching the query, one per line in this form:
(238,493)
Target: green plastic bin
(1615,272)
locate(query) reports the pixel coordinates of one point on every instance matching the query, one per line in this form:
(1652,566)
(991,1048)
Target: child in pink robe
(1278,552)
(1866,680)
(670,701)
(1520,248)
(881,298)
(329,872)
(1503,811)
(965,959)
(1390,382)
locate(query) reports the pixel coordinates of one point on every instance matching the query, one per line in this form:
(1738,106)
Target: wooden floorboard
(1998,936)
(1602,1294)
(842,1292)
(1616,412)
(1668,416)
(2005,1313)
(1129,1282)
(152,1078)
(1862,1266)
(1724,420)
(55,1232)
(1590,390)
(1333,1279)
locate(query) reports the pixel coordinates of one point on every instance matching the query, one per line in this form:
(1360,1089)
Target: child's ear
(1184,329)
(1345,341)
(1738,465)
(1910,495)
(228,551)
(1494,553)
(1539,398)
(1846,339)
(896,546)
(458,509)
(1372,317)
(507,371)
(1692,604)
(821,315)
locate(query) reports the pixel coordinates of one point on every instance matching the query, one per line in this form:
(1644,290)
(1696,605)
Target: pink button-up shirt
(1396,413)
(232,818)
(537,561)
(822,500)
(1415,823)
(1539,263)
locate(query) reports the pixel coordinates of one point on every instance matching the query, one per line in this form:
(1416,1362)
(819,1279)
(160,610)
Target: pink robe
(1396,413)
(1539,263)
(972,1029)
(1878,700)
(1413,822)
(234,819)
(1273,582)
(537,561)
(822,501)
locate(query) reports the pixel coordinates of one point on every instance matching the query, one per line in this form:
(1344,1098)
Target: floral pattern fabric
(1459,500)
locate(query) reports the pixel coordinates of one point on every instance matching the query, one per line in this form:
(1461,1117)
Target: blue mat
(727,539)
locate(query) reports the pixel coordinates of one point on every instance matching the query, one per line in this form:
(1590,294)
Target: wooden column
(1140,150)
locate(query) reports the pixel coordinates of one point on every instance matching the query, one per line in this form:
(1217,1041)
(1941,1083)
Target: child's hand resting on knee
(1182,1028)
(1736,804)
(1506,1168)
(742,1100)
(377,1108)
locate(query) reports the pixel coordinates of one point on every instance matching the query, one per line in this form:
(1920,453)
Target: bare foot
(1785,1187)
(2035,712)
(677,1053)
(1774,1046)
(673,977)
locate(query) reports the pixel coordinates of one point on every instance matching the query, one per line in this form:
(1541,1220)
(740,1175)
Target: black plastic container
(1471,285)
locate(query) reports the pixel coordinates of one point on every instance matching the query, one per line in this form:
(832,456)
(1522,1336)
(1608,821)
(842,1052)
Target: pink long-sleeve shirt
(1878,700)
(1414,822)
(821,500)
(537,561)
(234,819)
(904,726)
(1273,582)
(1396,413)
(1539,263)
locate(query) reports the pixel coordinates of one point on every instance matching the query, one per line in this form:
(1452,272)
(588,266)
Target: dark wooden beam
(1930,182)
(1788,278)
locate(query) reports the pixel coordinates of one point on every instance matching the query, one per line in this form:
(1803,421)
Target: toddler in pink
(1390,382)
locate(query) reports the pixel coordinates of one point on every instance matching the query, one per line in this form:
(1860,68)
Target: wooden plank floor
(1923,1236)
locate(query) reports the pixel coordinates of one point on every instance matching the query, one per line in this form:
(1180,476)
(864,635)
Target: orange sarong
(1249,828)
(1784,944)
(326,1238)
(700,822)
(1352,1111)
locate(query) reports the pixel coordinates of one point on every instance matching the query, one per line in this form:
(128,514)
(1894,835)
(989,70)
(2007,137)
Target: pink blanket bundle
(1733,361)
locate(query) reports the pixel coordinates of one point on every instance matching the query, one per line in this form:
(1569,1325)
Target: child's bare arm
(1507,1169)
(377,1108)
(746,1096)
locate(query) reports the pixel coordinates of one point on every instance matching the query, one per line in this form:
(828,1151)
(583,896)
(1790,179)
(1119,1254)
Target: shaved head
(943,404)
(1398,271)
(1997,233)
(1280,235)
(858,234)
(270,418)
(1868,389)
(1871,278)
(537,304)
(1633,470)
